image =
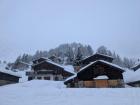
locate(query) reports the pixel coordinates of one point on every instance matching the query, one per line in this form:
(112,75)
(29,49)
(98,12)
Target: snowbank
(69,68)
(23,78)
(131,76)
(39,92)
(42,84)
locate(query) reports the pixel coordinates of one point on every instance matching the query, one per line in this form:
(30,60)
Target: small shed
(8,77)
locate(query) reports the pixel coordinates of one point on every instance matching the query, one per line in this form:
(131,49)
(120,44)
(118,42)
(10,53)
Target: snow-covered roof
(111,64)
(114,65)
(70,78)
(101,77)
(136,66)
(25,63)
(41,58)
(49,61)
(69,68)
(10,72)
(131,76)
(3,70)
(98,54)
(54,57)
(104,55)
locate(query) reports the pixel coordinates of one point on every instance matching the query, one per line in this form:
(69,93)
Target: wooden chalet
(97,72)
(8,77)
(46,69)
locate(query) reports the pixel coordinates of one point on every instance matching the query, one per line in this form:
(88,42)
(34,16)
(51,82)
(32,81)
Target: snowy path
(54,93)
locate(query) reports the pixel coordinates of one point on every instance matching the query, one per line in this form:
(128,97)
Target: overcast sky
(30,25)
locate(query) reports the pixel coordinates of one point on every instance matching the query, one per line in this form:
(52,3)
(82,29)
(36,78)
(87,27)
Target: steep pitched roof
(48,61)
(40,59)
(69,69)
(104,62)
(70,79)
(95,57)
(99,54)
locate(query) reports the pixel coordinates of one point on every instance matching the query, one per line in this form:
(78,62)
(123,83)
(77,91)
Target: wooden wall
(8,77)
(100,83)
(5,82)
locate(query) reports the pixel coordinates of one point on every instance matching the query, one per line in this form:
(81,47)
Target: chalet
(98,73)
(8,77)
(46,69)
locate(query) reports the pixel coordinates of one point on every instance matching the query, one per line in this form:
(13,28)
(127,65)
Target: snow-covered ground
(39,92)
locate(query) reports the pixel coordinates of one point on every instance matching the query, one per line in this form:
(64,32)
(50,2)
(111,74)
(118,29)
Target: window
(56,78)
(30,78)
(46,78)
(38,77)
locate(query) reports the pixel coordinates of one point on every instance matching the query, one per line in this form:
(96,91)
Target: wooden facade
(48,70)
(6,78)
(101,83)
(87,75)
(100,68)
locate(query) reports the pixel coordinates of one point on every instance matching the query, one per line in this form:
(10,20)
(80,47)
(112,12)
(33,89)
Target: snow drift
(39,92)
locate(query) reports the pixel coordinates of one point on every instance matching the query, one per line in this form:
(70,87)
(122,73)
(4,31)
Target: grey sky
(30,25)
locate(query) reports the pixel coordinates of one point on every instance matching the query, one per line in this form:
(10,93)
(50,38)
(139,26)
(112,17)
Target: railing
(40,72)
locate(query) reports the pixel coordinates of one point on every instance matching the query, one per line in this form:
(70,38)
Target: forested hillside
(68,54)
